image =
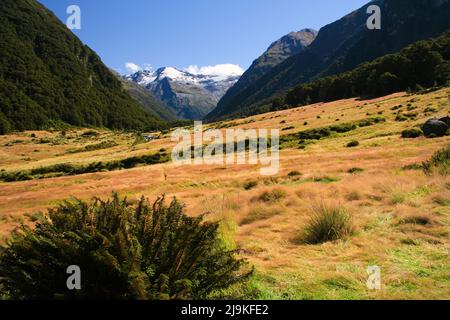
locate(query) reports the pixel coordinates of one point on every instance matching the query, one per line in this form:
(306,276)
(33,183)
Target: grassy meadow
(399,216)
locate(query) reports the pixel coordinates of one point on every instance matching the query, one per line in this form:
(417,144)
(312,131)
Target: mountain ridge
(187,95)
(341,46)
(279,50)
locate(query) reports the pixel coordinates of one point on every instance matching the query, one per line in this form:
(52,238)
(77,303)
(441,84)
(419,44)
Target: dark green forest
(47,74)
(421,65)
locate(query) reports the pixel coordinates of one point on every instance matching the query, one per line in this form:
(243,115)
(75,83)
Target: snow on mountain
(190,93)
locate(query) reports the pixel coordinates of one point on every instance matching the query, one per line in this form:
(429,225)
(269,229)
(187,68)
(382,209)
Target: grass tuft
(328,223)
(273,196)
(439,163)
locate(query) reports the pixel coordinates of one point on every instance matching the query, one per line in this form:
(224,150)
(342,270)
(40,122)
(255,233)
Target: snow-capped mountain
(188,95)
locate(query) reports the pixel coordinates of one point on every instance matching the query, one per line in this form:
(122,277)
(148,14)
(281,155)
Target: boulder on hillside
(435,128)
(446,120)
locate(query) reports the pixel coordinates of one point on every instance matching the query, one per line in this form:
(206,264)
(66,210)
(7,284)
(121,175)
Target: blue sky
(181,33)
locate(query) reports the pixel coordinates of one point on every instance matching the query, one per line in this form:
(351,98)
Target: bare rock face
(435,128)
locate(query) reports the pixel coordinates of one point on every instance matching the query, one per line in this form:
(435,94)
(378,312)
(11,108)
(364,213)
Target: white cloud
(222,70)
(147,66)
(132,67)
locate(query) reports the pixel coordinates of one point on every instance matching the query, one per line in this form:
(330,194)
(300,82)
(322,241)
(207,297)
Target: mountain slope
(279,51)
(188,96)
(47,74)
(148,101)
(343,45)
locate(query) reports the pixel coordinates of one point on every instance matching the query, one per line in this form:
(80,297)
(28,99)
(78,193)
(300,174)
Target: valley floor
(401,215)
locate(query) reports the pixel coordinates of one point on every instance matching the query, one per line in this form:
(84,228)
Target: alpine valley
(109,173)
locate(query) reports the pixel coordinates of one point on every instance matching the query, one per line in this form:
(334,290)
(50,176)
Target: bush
(328,223)
(125,251)
(355,170)
(352,144)
(67,169)
(411,133)
(371,121)
(439,163)
(400,118)
(294,173)
(343,128)
(250,185)
(314,134)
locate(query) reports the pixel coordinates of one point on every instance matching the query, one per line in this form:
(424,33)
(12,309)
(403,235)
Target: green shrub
(98,146)
(371,121)
(124,251)
(355,170)
(315,134)
(413,166)
(294,173)
(352,144)
(342,128)
(430,110)
(411,133)
(439,163)
(328,223)
(400,118)
(66,169)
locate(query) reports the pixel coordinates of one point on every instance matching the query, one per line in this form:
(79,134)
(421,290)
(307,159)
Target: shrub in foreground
(328,223)
(125,251)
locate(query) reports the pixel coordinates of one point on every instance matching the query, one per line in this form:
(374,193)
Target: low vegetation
(439,163)
(272,196)
(328,223)
(125,251)
(352,144)
(66,169)
(96,146)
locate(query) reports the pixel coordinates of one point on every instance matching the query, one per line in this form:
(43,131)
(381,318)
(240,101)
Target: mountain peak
(280,50)
(190,94)
(293,42)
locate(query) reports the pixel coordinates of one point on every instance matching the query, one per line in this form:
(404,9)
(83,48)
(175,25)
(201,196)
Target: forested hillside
(48,75)
(421,65)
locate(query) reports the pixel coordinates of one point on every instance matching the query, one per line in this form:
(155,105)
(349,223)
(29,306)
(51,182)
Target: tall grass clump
(439,162)
(125,251)
(328,223)
(272,196)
